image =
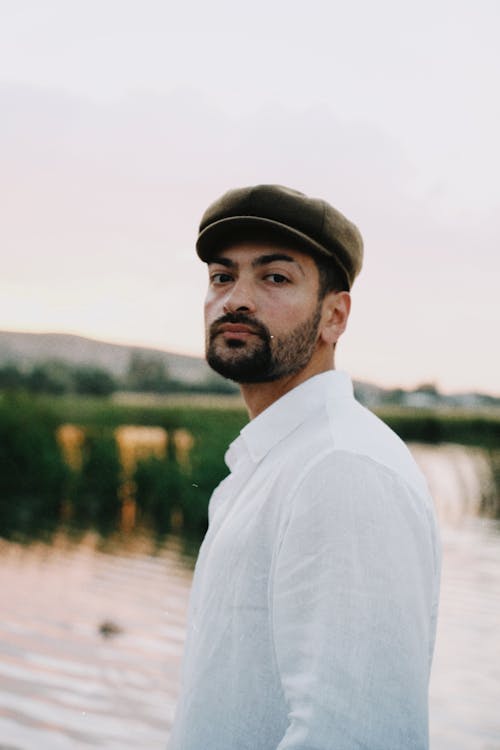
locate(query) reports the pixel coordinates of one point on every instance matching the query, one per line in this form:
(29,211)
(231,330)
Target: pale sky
(122,120)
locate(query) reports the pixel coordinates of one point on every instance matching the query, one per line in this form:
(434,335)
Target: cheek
(212,308)
(285,311)
(207,314)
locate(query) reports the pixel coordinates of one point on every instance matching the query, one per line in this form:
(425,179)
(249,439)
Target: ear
(335,313)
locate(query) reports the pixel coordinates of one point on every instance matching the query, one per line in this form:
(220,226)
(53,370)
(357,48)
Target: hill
(28,349)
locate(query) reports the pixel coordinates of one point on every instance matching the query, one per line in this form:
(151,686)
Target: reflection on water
(461,479)
(465,685)
(465,682)
(91,642)
(92,632)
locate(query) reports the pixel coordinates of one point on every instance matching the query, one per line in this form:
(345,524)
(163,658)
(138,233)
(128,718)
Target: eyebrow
(261,260)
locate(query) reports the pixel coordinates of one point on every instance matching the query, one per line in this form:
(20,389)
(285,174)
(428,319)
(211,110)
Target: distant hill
(27,349)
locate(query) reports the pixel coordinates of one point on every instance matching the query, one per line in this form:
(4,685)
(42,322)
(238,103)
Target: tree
(53,376)
(429,389)
(93,381)
(11,378)
(147,373)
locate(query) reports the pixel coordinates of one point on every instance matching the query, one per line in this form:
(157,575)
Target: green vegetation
(56,377)
(37,485)
(145,374)
(95,498)
(456,426)
(32,471)
(158,489)
(39,488)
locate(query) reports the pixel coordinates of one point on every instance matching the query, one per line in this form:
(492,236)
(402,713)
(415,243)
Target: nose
(239,298)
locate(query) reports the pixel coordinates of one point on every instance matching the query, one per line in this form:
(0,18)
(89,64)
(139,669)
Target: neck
(258,396)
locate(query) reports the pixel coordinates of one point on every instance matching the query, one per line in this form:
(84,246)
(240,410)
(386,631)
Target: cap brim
(216,235)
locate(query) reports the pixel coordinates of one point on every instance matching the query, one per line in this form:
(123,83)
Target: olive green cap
(284,214)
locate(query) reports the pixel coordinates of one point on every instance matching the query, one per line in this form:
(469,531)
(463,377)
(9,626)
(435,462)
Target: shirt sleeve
(353,607)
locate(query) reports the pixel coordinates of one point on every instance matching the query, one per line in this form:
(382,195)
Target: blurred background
(121,121)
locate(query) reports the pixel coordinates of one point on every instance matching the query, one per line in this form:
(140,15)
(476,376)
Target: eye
(277,278)
(220,277)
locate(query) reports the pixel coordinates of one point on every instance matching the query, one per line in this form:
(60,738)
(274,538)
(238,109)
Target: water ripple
(92,632)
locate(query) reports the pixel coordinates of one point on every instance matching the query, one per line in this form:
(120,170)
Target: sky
(121,120)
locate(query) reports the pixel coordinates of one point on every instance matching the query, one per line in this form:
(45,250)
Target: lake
(92,630)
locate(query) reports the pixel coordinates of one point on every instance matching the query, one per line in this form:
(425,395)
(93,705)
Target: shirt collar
(276,422)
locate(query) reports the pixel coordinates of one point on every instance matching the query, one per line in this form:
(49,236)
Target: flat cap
(280,212)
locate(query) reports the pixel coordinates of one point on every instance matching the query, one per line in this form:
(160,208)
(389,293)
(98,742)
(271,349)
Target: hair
(331,277)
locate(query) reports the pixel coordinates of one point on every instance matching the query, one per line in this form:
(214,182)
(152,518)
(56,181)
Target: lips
(235,328)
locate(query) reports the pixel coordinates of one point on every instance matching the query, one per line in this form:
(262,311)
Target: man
(314,601)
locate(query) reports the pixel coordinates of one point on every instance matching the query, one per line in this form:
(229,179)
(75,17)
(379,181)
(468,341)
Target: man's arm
(354,605)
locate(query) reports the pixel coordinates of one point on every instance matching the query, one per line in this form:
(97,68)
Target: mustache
(254,325)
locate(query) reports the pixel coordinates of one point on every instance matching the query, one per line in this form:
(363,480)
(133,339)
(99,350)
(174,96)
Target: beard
(264,357)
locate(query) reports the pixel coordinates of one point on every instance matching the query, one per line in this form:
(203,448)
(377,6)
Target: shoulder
(358,431)
(349,440)
(342,478)
(349,499)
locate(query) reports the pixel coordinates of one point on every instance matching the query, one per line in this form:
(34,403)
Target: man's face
(262,312)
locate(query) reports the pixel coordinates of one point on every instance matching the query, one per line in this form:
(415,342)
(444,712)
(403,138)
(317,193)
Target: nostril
(229,308)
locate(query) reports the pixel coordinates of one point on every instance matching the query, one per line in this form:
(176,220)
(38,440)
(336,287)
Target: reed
(95,499)
(33,473)
(99,463)
(457,426)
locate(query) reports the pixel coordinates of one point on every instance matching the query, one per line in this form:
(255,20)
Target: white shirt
(314,601)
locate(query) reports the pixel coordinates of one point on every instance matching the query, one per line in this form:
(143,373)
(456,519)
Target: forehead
(254,252)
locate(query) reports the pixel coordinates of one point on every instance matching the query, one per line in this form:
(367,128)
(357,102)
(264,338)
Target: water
(91,633)
(91,643)
(465,682)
